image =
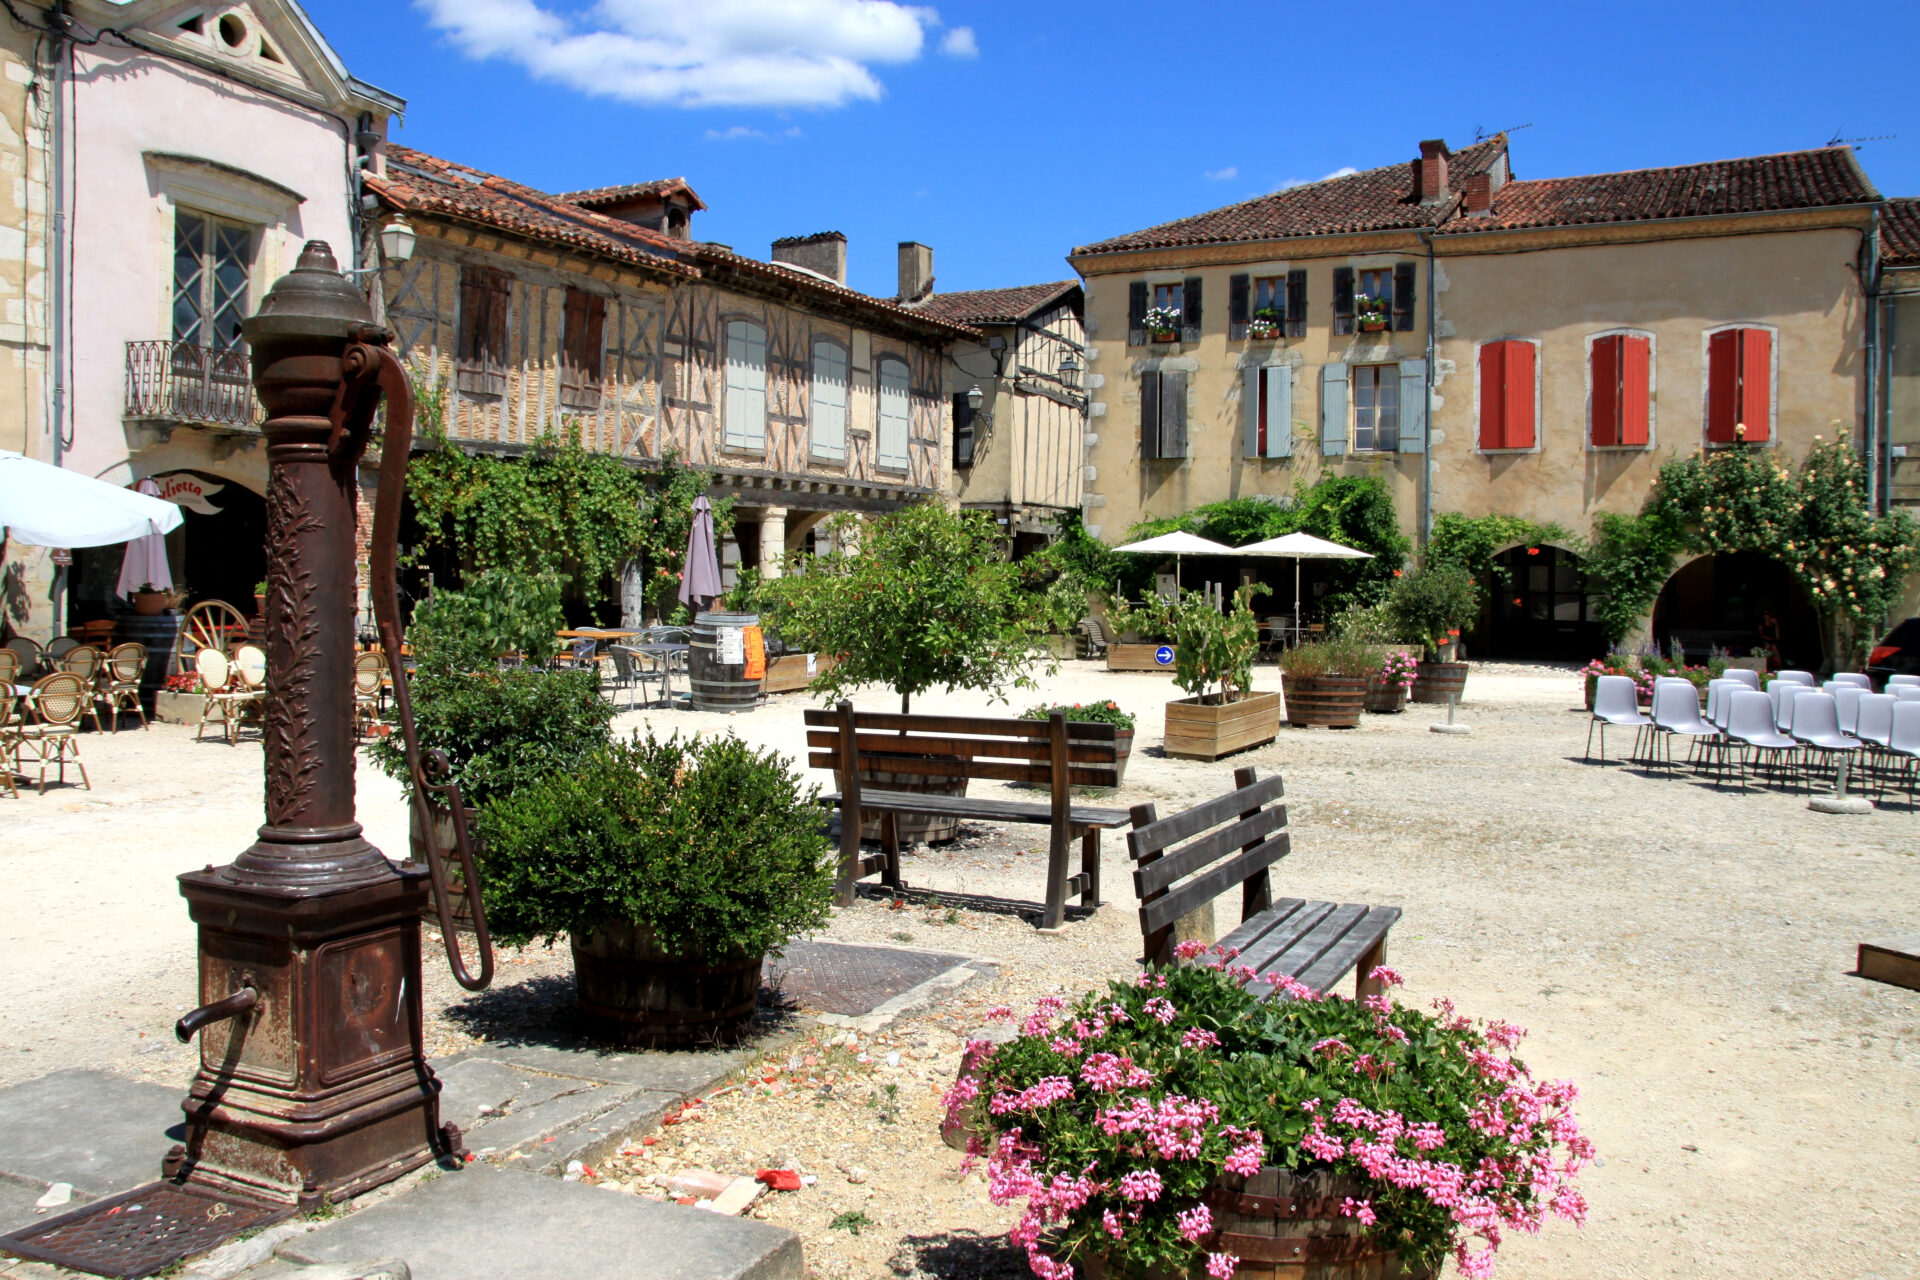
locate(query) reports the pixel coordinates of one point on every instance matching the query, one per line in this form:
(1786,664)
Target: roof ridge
(1675,168)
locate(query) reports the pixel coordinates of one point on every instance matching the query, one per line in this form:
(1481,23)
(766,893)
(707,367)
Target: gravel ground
(1681,953)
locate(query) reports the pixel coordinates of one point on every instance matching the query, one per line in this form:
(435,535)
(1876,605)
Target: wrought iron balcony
(183,383)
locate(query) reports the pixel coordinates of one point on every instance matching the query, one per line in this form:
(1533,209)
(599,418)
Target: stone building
(1896,406)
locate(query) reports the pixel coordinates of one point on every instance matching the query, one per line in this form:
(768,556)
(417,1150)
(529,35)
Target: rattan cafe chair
(119,684)
(52,737)
(369,675)
(8,764)
(84,660)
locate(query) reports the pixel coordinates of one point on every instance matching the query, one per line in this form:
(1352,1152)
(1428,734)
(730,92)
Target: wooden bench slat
(1262,937)
(984,810)
(1033,775)
(1208,885)
(871,863)
(1168,832)
(965,748)
(1340,959)
(1163,871)
(1310,946)
(892,722)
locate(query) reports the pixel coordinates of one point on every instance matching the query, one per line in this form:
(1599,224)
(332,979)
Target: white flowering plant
(1162,320)
(1115,1117)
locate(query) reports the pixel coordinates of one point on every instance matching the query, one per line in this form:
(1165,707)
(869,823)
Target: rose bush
(1113,1117)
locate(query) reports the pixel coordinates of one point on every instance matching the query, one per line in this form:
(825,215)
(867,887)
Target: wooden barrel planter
(914,828)
(633,992)
(1386,697)
(160,633)
(1284,1226)
(717,685)
(1122,748)
(1440,682)
(1333,701)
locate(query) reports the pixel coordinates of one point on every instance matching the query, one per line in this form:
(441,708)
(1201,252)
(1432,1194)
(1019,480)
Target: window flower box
(1163,324)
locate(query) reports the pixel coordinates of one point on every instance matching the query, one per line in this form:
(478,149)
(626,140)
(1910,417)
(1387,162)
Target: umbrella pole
(1296,600)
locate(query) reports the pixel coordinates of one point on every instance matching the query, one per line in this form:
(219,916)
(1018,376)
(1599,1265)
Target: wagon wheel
(211,624)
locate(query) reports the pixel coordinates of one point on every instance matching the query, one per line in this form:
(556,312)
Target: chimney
(1431,171)
(916,271)
(1480,195)
(824,252)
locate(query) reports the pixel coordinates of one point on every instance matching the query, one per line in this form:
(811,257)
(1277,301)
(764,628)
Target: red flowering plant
(185,682)
(1114,1117)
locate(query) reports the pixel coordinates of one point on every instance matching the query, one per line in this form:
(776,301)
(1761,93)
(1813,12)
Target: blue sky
(1004,134)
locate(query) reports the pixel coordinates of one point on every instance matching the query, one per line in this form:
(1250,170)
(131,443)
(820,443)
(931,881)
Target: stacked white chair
(1816,726)
(1846,700)
(1745,676)
(1858,678)
(1897,682)
(1676,711)
(1794,677)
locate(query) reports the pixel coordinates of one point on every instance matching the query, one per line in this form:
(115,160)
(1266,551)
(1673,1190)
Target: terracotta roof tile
(1900,233)
(595,197)
(787,274)
(1756,184)
(989,306)
(1373,200)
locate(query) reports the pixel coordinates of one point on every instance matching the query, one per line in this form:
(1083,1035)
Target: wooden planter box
(788,672)
(1139,657)
(1206,731)
(178,708)
(1333,701)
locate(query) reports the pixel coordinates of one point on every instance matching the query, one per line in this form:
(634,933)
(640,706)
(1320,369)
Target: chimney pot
(1480,195)
(916,271)
(824,252)
(1431,171)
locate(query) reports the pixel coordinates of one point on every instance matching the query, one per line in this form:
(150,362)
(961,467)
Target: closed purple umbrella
(700,579)
(145,560)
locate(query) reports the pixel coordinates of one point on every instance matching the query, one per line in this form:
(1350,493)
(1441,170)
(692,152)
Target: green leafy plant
(1367,624)
(1084,712)
(715,846)
(1474,542)
(1213,648)
(1151,619)
(1338,656)
(1434,603)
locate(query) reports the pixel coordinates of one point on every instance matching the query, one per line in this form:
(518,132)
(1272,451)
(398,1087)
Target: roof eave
(1462,228)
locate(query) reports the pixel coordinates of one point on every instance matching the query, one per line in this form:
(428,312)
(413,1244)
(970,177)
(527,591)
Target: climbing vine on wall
(1472,542)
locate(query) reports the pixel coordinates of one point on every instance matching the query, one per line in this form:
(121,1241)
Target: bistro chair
(227,694)
(119,684)
(1093,637)
(369,680)
(626,671)
(98,633)
(58,701)
(1903,746)
(1676,711)
(1857,678)
(83,661)
(8,765)
(1816,726)
(61,645)
(10,670)
(29,656)
(1750,724)
(1793,677)
(1615,703)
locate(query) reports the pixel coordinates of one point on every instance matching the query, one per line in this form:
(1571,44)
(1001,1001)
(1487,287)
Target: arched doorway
(222,541)
(1542,609)
(1737,601)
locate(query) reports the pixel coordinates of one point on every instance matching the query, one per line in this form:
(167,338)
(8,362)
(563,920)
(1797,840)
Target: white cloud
(755,53)
(1222,175)
(733,134)
(1343,171)
(959,43)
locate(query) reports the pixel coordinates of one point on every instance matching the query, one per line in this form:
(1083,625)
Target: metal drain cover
(142,1231)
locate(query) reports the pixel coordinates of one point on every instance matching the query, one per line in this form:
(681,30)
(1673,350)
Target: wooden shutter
(1137,314)
(582,349)
(1333,407)
(829,425)
(1254,407)
(486,297)
(1723,385)
(1403,296)
(1636,390)
(893,428)
(1173,413)
(1605,364)
(1518,410)
(746,388)
(1296,321)
(962,432)
(1493,395)
(1413,406)
(1190,309)
(1756,383)
(1238,307)
(1279,404)
(1343,299)
(1150,414)
(499,306)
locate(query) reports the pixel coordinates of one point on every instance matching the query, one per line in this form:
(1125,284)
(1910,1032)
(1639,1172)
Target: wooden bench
(1234,840)
(1036,752)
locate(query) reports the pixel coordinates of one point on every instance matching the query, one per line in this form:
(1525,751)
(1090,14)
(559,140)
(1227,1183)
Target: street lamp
(974,398)
(396,239)
(1069,370)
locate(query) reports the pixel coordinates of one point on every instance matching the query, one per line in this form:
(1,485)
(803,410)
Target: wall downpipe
(1870,285)
(1426,463)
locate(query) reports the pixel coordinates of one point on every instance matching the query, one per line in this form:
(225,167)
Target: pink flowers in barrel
(1117,1118)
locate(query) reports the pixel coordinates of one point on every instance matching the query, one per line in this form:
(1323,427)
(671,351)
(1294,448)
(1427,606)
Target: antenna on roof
(1836,140)
(1481,135)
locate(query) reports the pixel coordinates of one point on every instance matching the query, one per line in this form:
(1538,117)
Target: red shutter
(1636,389)
(1606,365)
(1493,395)
(1519,409)
(1723,385)
(1756,382)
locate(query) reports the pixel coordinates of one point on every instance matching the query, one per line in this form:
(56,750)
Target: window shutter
(1150,414)
(962,432)
(894,426)
(1518,410)
(1413,406)
(1173,414)
(746,389)
(1238,312)
(1343,299)
(594,356)
(1636,390)
(1756,382)
(829,425)
(1333,407)
(499,304)
(1190,309)
(1253,403)
(1723,385)
(1403,297)
(1296,321)
(1493,395)
(1605,364)
(1137,314)
(1279,411)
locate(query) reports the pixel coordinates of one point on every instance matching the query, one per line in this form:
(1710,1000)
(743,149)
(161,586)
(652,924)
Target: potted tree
(1326,682)
(673,868)
(1094,713)
(1431,605)
(1213,662)
(1143,636)
(1167,1126)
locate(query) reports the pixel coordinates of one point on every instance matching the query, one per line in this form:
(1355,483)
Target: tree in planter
(1433,603)
(927,602)
(1212,648)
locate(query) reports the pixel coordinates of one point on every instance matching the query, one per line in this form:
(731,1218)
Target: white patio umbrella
(54,507)
(1298,547)
(145,560)
(1177,544)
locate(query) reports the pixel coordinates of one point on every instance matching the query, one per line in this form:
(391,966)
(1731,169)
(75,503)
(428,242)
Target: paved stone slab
(675,1072)
(99,1132)
(526,1127)
(849,979)
(507,1224)
(593,1142)
(472,1082)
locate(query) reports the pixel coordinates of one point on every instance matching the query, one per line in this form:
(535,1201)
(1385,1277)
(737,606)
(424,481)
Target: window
(1268,401)
(1739,385)
(1163,414)
(1376,408)
(211,260)
(582,349)
(486,298)
(829,401)
(1621,367)
(1269,316)
(746,392)
(962,431)
(1506,395)
(1168,297)
(1263,307)
(890,439)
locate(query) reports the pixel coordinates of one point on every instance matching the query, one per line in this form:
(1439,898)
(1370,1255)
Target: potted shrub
(1387,691)
(1431,605)
(1094,713)
(1143,636)
(672,868)
(1265,324)
(1376,625)
(1163,323)
(1213,661)
(1326,682)
(1370,313)
(1134,1121)
(149,601)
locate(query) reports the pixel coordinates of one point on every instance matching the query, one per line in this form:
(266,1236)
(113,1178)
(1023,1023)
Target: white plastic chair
(1906,692)
(1615,703)
(1846,700)
(1816,726)
(1896,682)
(1903,745)
(1676,710)
(1794,677)
(1744,675)
(1857,678)
(1784,695)
(1750,723)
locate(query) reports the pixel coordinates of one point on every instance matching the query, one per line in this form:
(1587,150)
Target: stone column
(773,542)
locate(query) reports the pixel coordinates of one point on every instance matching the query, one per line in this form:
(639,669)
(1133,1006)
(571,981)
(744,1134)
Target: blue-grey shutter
(1137,314)
(1333,409)
(1280,411)
(1250,401)
(1413,406)
(1150,414)
(1173,413)
(1190,309)
(1239,306)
